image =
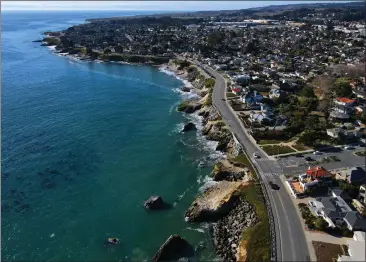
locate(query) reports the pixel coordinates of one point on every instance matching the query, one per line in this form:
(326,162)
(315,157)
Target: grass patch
(275,149)
(242,160)
(229,95)
(362,153)
(258,237)
(301,147)
(270,141)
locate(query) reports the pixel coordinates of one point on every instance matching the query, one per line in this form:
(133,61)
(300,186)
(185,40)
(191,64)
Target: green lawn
(258,237)
(270,141)
(243,160)
(275,149)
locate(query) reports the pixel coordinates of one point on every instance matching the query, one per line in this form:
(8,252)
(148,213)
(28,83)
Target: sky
(141,5)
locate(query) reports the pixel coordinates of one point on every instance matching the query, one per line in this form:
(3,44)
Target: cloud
(138,5)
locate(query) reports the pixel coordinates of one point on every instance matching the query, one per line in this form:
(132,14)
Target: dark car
(308,158)
(299,155)
(274,186)
(223,99)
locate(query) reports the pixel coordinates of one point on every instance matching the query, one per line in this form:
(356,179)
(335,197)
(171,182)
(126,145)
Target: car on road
(256,156)
(299,155)
(223,99)
(317,152)
(308,158)
(349,147)
(274,186)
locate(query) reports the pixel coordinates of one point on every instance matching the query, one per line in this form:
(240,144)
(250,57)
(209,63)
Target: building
(237,90)
(313,176)
(356,248)
(352,175)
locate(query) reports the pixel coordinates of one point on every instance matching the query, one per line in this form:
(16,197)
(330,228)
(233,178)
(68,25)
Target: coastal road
(290,237)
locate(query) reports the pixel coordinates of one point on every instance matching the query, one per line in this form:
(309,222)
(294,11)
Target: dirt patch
(241,255)
(327,252)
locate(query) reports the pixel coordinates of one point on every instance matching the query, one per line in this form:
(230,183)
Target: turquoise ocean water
(83,145)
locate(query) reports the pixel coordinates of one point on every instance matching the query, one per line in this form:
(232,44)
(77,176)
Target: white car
(256,156)
(317,153)
(348,147)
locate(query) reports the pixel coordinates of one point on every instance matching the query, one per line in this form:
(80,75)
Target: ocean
(84,144)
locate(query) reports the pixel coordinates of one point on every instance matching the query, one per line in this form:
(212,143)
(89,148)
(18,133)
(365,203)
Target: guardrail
(269,208)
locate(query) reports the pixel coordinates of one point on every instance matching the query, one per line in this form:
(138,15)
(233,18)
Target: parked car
(317,153)
(308,158)
(299,155)
(348,147)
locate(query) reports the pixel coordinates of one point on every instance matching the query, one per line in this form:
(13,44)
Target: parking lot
(347,158)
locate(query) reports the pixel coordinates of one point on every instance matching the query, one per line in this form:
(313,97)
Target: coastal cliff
(222,204)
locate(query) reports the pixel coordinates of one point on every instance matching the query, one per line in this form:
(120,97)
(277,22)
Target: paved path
(324,237)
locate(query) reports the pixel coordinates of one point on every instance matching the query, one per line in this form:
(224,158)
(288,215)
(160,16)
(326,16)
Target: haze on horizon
(141,5)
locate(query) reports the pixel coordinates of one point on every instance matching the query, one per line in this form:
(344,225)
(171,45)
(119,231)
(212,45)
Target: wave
(207,183)
(196,229)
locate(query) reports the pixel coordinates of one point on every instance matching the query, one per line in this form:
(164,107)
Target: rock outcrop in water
(175,248)
(188,127)
(154,203)
(214,203)
(189,106)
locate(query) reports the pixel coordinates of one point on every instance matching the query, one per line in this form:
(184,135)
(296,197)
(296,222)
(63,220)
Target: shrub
(320,224)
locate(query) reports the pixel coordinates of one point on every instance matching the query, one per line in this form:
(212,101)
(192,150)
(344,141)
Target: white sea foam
(196,229)
(207,183)
(52,47)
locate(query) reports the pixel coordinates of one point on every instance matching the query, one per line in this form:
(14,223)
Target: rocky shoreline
(221,204)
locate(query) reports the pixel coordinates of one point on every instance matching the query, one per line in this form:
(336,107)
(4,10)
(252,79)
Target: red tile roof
(317,171)
(345,100)
(236,89)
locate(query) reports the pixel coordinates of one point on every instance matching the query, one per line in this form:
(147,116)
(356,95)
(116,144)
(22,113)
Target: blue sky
(141,5)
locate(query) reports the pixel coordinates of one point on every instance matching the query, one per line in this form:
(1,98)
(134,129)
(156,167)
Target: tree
(307,91)
(342,87)
(320,224)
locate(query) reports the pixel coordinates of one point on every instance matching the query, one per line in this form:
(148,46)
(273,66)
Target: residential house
(252,97)
(334,132)
(344,104)
(237,90)
(336,211)
(312,176)
(356,248)
(332,209)
(260,117)
(275,93)
(352,175)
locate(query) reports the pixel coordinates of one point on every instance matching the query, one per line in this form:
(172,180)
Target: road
(290,237)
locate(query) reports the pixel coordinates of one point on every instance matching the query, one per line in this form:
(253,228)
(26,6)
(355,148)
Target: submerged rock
(188,127)
(174,248)
(154,202)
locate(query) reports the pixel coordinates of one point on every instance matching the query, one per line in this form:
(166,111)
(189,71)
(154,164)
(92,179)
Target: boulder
(154,202)
(174,248)
(188,127)
(185,89)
